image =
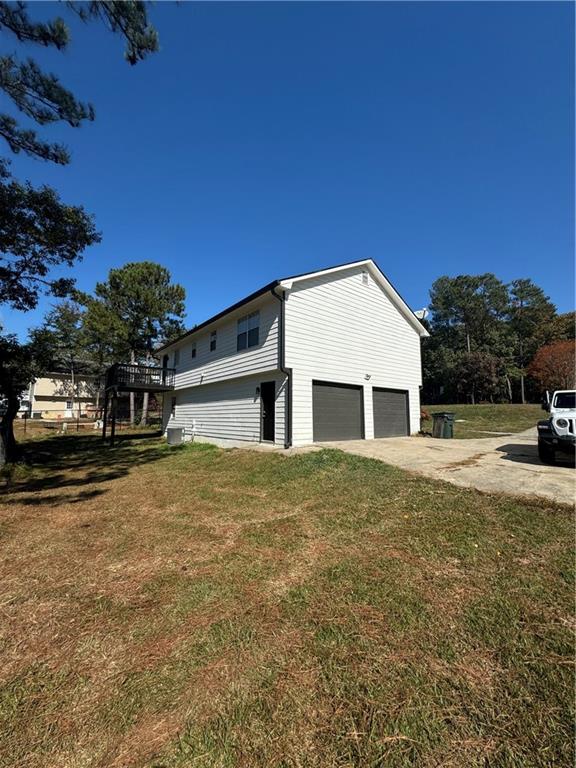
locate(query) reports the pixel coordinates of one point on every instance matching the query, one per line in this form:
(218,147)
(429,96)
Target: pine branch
(40,96)
(14,17)
(128,17)
(26,141)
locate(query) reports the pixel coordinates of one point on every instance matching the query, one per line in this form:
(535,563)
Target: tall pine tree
(149,308)
(39,232)
(529,309)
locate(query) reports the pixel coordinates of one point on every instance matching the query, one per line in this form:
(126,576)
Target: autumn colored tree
(553,366)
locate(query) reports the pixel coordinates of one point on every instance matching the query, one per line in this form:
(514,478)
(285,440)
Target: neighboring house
(55,397)
(328,355)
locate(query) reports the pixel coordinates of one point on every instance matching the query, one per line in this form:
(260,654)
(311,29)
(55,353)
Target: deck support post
(105,416)
(122,378)
(114,408)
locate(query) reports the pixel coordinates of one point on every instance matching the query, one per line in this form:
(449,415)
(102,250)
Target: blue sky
(267,139)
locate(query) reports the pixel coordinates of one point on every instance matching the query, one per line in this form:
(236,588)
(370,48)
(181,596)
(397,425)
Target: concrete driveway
(506,464)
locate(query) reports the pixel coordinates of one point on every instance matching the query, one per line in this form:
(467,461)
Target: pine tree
(149,308)
(469,313)
(39,232)
(529,310)
(483,334)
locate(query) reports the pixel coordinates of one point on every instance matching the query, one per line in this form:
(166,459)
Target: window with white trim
(213,341)
(69,405)
(248,331)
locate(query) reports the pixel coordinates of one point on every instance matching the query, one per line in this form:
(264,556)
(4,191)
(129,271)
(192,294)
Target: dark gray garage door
(337,411)
(390,412)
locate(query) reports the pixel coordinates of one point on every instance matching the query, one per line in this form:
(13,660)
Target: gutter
(282,367)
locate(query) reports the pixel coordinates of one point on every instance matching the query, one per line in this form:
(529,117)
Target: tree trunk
(509,387)
(132,402)
(522,396)
(8,452)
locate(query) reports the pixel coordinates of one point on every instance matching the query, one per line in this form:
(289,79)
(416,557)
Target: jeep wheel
(546,454)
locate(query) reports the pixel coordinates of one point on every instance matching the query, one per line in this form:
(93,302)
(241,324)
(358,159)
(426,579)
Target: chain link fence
(62,420)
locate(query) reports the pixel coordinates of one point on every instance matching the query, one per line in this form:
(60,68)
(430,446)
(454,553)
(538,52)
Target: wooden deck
(125,377)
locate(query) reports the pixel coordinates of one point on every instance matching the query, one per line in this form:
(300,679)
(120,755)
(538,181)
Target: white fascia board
(396,299)
(287,284)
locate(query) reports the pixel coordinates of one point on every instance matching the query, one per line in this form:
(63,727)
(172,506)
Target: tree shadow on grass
(138,435)
(74,461)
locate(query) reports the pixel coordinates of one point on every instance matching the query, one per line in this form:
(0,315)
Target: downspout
(282,367)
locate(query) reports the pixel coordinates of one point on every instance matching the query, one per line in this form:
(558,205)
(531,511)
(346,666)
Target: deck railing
(127,375)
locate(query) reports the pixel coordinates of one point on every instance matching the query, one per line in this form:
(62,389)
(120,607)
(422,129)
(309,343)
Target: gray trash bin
(443,424)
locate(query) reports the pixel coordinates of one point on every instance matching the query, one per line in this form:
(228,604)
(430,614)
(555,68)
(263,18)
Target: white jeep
(558,431)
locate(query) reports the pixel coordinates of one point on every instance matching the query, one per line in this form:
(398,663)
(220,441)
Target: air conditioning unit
(174,435)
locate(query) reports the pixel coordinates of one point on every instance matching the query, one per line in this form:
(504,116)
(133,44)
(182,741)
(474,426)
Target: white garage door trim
(338,402)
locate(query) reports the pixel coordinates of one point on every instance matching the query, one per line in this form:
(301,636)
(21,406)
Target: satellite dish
(422,314)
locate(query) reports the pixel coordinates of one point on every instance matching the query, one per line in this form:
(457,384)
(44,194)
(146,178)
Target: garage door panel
(390,412)
(338,412)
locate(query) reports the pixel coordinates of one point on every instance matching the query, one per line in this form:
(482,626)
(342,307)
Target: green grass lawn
(479,420)
(195,607)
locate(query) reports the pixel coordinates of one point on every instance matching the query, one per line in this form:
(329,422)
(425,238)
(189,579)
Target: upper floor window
(193,352)
(248,331)
(212,341)
(176,357)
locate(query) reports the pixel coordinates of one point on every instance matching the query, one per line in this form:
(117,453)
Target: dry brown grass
(199,607)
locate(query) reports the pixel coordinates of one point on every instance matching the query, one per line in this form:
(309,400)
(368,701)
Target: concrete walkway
(500,464)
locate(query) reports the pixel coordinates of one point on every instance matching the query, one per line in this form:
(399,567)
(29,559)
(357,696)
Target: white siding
(339,329)
(228,410)
(225,362)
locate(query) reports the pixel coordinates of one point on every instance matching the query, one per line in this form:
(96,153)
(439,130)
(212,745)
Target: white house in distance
(328,355)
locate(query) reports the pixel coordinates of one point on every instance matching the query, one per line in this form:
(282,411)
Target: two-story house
(56,396)
(328,355)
